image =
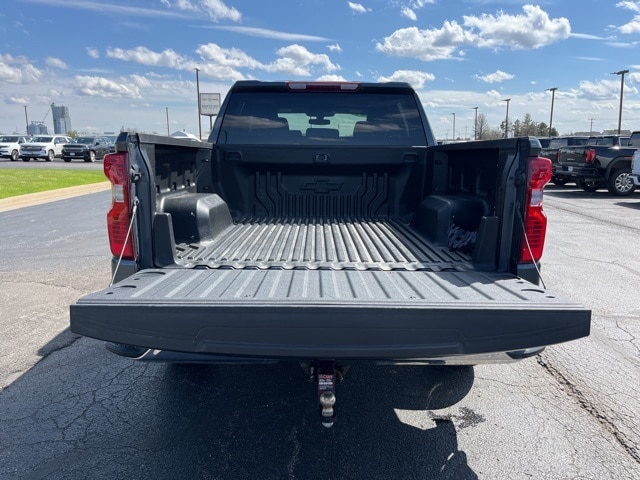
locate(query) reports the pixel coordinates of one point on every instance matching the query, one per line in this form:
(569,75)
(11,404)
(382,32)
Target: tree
(72,133)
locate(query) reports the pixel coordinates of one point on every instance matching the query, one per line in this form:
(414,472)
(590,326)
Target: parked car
(10,146)
(86,148)
(44,146)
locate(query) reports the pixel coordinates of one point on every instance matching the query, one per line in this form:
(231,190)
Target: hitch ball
(327,401)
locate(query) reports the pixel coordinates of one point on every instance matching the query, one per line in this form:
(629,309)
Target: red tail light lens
(535,220)
(116,169)
(324,86)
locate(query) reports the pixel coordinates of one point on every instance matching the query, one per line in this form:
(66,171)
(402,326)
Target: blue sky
(126,63)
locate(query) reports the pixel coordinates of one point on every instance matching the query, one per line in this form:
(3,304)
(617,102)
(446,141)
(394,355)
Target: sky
(132,63)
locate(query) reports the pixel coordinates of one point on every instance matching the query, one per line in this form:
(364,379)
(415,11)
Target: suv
(87,148)
(10,146)
(44,146)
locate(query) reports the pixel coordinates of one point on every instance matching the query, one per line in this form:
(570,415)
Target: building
(61,120)
(37,128)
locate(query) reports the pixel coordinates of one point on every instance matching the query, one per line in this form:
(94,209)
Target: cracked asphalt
(71,410)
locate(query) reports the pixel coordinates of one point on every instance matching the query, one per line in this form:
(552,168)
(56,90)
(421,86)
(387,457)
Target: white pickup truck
(10,146)
(44,146)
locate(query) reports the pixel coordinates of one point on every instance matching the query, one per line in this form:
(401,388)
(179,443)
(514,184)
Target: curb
(20,201)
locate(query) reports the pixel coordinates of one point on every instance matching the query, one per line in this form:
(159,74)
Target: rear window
(314,118)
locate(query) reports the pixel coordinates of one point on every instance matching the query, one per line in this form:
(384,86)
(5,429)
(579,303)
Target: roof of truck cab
(256,85)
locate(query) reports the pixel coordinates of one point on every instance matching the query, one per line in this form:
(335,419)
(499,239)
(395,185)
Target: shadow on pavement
(85,413)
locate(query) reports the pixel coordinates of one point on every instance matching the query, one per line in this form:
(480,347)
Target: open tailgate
(328,313)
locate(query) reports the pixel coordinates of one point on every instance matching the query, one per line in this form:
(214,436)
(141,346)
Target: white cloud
(166,58)
(331,78)
(216,9)
(534,29)
(93,52)
(56,63)
(102,8)
(415,78)
(496,77)
(409,13)
(426,45)
(233,57)
(486,31)
(273,34)
(628,5)
(18,70)
(13,100)
(297,60)
(335,48)
(103,87)
(358,7)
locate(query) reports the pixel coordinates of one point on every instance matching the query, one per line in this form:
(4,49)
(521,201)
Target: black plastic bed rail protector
(328,314)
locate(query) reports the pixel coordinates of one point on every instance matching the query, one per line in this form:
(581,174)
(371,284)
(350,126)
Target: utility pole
(506,121)
(198,93)
(475,124)
(591,126)
(553,96)
(167,109)
(621,73)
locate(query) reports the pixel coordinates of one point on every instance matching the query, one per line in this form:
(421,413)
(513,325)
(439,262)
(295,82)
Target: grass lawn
(20,181)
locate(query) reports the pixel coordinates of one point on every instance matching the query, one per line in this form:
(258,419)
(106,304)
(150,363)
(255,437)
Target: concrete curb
(39,198)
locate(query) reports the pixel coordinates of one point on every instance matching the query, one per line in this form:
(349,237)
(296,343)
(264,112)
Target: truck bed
(323,243)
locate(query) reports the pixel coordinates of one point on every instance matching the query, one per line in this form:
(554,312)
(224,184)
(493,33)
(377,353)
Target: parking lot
(69,409)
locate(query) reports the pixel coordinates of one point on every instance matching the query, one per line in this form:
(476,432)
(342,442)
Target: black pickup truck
(550,148)
(322,224)
(604,162)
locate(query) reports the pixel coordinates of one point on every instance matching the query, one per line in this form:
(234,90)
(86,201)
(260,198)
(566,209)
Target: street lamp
(454,127)
(553,96)
(26,118)
(621,73)
(198,93)
(167,109)
(475,124)
(506,121)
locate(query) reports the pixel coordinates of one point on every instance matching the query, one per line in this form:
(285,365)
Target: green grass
(20,181)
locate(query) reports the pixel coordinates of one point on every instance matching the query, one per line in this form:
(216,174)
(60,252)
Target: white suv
(44,146)
(10,146)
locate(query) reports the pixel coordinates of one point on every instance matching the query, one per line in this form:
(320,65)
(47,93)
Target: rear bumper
(166,356)
(577,171)
(324,314)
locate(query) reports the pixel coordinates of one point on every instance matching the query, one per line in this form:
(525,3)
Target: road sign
(209,104)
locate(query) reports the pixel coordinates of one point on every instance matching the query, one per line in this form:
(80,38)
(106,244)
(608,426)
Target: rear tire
(50,156)
(560,180)
(620,182)
(92,157)
(588,185)
(15,155)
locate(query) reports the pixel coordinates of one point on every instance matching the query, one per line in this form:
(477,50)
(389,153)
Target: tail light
(535,220)
(116,169)
(590,155)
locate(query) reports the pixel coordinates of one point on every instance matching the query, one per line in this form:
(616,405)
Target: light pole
(621,73)
(198,93)
(591,125)
(453,137)
(26,118)
(506,121)
(167,109)
(475,124)
(553,96)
